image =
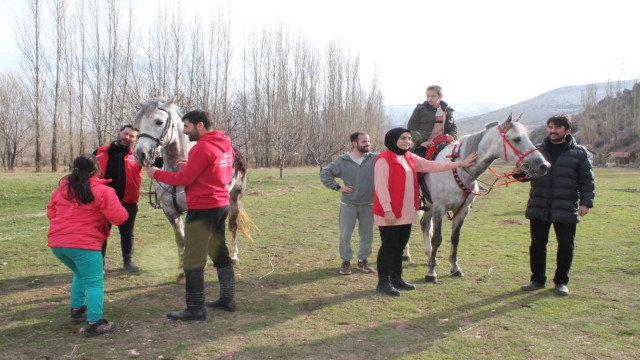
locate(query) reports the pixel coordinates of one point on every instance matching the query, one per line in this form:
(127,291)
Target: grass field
(293,303)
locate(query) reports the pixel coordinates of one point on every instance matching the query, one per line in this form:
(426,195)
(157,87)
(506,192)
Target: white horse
(160,125)
(452,192)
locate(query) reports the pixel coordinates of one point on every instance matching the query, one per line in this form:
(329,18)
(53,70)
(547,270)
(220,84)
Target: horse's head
(517,145)
(160,125)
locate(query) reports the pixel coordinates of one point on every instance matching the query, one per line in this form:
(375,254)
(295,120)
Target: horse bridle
(161,142)
(505,141)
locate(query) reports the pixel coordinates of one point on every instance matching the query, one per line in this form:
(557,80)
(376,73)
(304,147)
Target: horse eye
(517,139)
(158,122)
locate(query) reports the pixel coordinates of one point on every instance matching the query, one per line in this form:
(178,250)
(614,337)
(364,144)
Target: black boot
(194,286)
(398,283)
(384,286)
(227,290)
(424,193)
(129,265)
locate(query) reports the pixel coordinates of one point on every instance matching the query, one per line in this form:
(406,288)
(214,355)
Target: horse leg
(427,231)
(178,232)
(234,211)
(436,241)
(455,240)
(406,255)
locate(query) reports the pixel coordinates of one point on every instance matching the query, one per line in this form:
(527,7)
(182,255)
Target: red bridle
(506,141)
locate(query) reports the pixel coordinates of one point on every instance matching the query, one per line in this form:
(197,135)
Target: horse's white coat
(448,197)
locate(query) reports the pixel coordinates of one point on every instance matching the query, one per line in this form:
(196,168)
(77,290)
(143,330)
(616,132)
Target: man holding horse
(356,203)
(560,199)
(119,165)
(205,176)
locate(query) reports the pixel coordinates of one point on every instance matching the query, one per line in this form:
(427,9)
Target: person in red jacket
(79,215)
(119,165)
(205,176)
(395,202)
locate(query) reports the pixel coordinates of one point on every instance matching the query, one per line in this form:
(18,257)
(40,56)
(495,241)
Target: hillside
(535,111)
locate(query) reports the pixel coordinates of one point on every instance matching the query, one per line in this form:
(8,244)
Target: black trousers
(126,231)
(205,234)
(394,239)
(565,235)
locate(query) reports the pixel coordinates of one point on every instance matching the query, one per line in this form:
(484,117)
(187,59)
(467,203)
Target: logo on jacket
(226,160)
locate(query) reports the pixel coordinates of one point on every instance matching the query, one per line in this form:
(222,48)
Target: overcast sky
(478,51)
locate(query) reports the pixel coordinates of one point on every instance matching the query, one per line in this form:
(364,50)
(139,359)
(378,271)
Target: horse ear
(519,117)
(507,122)
(169,102)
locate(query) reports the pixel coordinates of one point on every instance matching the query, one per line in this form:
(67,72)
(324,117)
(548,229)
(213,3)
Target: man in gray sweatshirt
(356,203)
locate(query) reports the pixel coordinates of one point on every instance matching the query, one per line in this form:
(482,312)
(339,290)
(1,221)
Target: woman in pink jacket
(79,213)
(395,201)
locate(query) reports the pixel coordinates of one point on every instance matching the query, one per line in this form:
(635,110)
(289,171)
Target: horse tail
(246,225)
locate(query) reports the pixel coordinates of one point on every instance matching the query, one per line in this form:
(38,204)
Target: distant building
(590,154)
(618,158)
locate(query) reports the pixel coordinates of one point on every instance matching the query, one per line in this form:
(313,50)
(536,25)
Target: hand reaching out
(470,160)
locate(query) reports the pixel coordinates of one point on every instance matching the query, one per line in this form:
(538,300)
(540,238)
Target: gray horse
(452,192)
(159,121)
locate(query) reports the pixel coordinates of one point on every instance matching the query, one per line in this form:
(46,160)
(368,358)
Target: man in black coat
(560,198)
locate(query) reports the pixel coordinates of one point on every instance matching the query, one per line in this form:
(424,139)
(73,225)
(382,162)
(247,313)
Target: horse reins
(173,192)
(466,190)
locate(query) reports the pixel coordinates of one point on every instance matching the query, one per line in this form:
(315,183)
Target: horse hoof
(457,274)
(431,279)
(406,258)
(235,261)
(180,279)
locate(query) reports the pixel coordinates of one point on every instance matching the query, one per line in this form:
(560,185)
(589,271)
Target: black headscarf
(391,140)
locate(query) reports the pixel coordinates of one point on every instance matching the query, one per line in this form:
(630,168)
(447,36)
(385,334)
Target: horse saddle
(431,153)
(439,143)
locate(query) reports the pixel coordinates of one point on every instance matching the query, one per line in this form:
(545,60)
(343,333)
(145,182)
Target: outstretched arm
(423,165)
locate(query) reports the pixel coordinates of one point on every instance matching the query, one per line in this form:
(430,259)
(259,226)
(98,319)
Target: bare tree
(69,82)
(30,45)
(81,78)
(14,131)
(589,120)
(635,93)
(126,93)
(98,119)
(59,14)
(157,53)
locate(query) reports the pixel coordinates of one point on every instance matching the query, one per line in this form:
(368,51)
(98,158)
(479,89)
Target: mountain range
(471,117)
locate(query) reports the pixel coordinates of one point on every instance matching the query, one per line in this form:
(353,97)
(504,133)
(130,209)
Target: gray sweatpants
(348,216)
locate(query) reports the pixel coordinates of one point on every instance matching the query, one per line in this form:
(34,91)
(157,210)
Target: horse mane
(240,162)
(472,142)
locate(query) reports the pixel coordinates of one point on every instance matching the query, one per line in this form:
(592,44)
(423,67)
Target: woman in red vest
(395,203)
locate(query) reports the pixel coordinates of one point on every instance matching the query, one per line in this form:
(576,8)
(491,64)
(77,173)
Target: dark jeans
(126,232)
(205,234)
(394,239)
(565,235)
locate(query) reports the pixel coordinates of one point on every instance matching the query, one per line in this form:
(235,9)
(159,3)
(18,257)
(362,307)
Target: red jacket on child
(83,226)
